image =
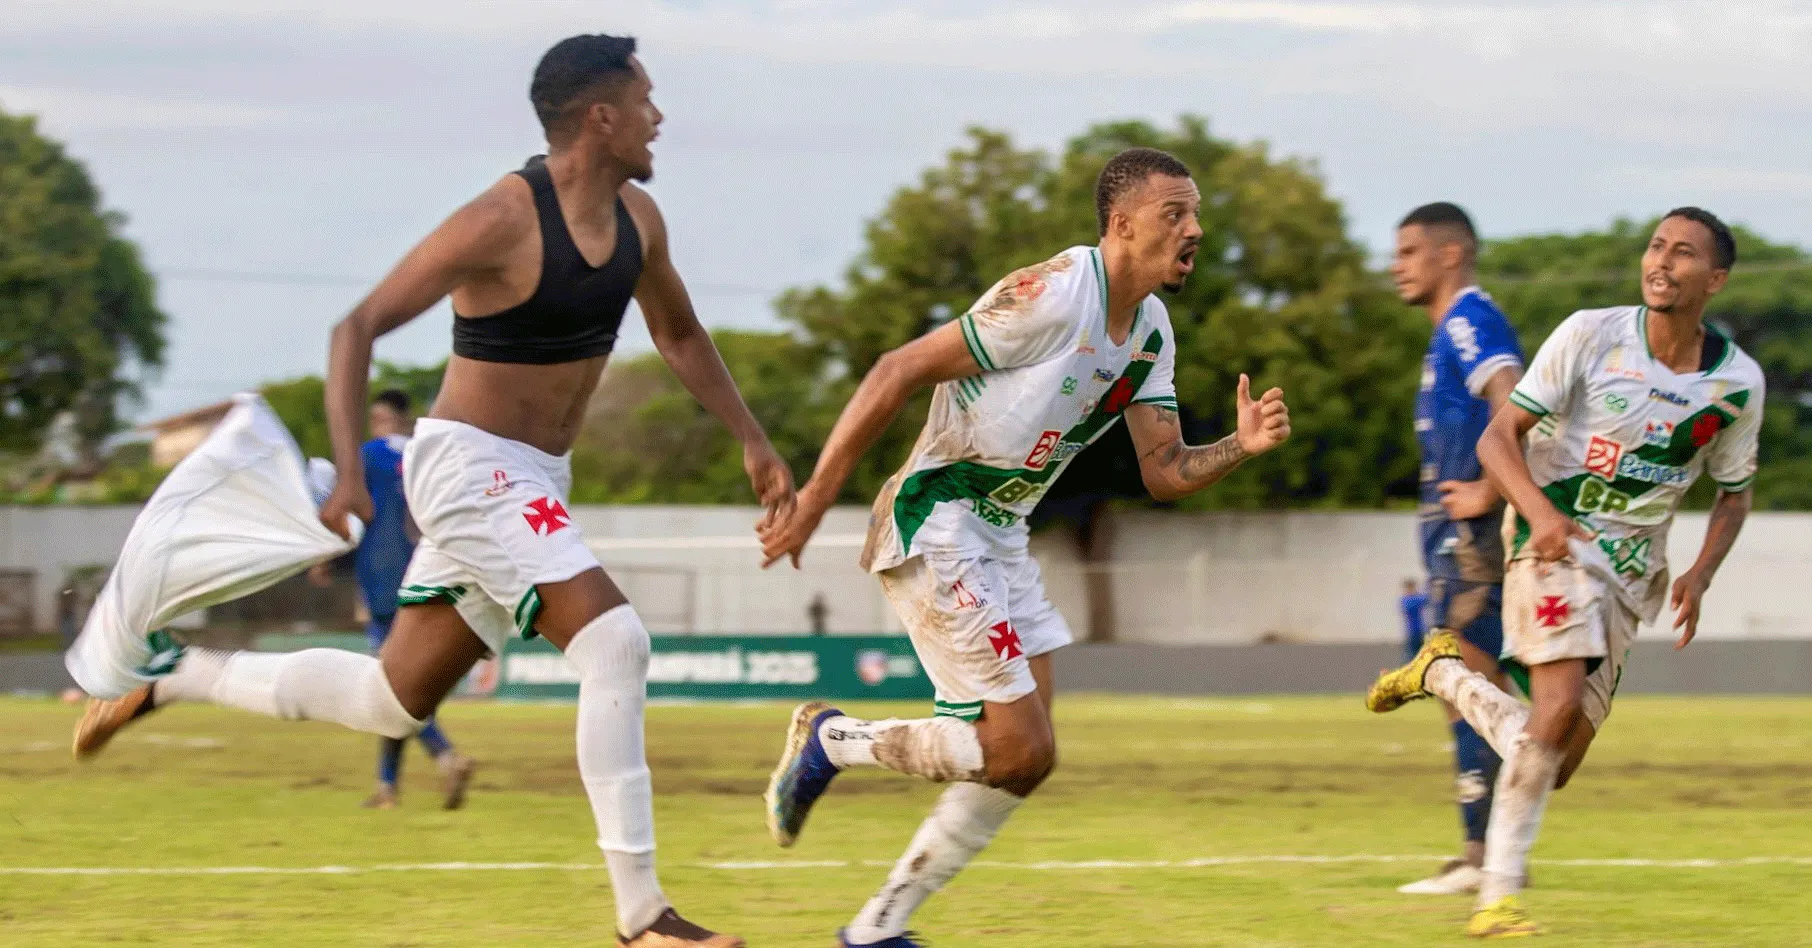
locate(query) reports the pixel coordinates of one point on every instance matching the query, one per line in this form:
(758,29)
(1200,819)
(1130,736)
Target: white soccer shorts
(235,516)
(494,525)
(974,622)
(1558,611)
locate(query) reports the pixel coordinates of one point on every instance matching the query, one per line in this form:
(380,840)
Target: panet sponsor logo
(1065,450)
(1634,467)
(546,516)
(500,484)
(1602,455)
(1069,386)
(1041,452)
(1669,397)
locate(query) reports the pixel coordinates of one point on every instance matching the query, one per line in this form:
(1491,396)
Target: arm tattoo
(1204,465)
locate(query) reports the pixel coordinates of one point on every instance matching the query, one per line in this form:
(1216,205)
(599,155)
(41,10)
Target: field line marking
(761,866)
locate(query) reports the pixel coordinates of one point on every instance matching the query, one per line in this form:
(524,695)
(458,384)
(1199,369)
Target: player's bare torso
(538,405)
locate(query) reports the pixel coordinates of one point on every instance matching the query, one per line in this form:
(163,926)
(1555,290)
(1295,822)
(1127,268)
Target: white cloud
(76,110)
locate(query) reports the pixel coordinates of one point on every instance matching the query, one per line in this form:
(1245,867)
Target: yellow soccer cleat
(1394,689)
(1504,918)
(103,719)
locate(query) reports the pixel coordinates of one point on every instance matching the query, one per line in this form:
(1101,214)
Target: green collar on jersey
(1100,267)
(1718,349)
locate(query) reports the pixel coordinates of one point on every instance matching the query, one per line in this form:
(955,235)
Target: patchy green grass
(1142,780)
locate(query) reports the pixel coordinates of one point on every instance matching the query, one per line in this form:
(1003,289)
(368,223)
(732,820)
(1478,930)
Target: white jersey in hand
(1051,382)
(1622,437)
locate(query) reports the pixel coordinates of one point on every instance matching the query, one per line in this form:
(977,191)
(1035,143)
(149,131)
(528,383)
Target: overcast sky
(319,139)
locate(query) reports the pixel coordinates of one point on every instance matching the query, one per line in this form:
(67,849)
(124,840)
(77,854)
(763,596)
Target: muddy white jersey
(1623,436)
(1051,382)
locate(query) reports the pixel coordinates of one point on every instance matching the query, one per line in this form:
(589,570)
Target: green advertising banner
(736,667)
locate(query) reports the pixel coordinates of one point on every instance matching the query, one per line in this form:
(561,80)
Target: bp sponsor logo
(1596,496)
(1015,490)
(875,666)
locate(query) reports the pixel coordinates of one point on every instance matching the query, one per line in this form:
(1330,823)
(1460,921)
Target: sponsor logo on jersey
(1144,356)
(500,483)
(546,516)
(1669,397)
(991,512)
(1596,496)
(1465,338)
(1658,433)
(1629,556)
(1088,407)
(963,598)
(1069,386)
(1014,491)
(1103,375)
(1005,641)
(1613,366)
(1552,611)
(1602,455)
(1065,451)
(1636,468)
(1616,403)
(1041,452)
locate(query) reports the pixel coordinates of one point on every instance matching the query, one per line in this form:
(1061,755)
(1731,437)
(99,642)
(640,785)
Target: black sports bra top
(576,309)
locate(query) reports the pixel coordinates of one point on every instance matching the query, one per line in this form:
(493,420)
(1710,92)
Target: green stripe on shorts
(414,595)
(528,609)
(965,710)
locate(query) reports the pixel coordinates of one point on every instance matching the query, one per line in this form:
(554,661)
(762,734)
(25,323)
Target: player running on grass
(1624,409)
(1041,365)
(540,269)
(1473,362)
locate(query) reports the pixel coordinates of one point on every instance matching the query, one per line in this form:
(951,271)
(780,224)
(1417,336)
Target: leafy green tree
(1542,279)
(77,309)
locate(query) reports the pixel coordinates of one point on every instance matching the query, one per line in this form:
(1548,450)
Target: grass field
(1141,781)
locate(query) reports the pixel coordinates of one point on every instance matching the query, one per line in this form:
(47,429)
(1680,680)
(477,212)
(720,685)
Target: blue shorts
(1473,610)
(377,629)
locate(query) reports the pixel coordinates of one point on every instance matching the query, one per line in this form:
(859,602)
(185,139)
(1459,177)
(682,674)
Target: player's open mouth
(1659,283)
(1186,260)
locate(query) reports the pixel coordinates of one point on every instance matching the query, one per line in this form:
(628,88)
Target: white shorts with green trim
(974,622)
(494,525)
(1559,611)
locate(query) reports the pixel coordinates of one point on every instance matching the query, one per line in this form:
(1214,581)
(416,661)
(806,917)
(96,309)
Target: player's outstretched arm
(1501,455)
(473,240)
(1727,516)
(689,351)
(1172,469)
(937,356)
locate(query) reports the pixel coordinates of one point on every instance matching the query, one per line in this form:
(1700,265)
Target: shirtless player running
(487,472)
(1043,363)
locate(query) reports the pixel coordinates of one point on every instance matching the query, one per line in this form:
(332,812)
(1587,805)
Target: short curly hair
(1126,171)
(574,66)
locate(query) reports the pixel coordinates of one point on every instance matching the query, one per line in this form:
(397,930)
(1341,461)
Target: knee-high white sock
(1523,786)
(1497,717)
(611,654)
(964,821)
(940,748)
(315,684)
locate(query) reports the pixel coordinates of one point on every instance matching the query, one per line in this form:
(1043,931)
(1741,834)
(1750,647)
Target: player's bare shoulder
(647,216)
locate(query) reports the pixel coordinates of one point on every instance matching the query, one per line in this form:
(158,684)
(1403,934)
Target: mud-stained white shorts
(494,524)
(974,622)
(1558,611)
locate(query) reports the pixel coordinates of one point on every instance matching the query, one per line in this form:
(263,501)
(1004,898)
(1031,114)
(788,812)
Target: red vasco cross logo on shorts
(545,515)
(1005,641)
(1551,612)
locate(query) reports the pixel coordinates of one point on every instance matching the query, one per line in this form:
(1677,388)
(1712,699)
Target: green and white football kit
(1621,439)
(948,533)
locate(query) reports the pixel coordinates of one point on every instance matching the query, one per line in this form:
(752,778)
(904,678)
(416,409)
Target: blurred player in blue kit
(1472,365)
(382,557)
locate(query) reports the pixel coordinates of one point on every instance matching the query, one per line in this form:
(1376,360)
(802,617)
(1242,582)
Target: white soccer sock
(611,654)
(940,748)
(1523,786)
(964,821)
(315,684)
(1497,716)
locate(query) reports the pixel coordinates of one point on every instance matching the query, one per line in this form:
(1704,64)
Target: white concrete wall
(1179,578)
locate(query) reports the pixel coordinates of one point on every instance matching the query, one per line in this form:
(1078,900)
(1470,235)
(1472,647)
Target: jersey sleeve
(1023,319)
(1555,373)
(1733,458)
(1160,387)
(1482,343)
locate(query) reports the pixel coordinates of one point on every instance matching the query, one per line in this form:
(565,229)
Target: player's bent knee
(1018,766)
(613,646)
(327,684)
